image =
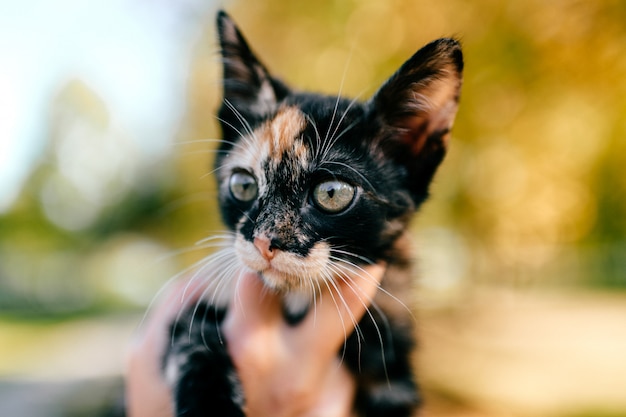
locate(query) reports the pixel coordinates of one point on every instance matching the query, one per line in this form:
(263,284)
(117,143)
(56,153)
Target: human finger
(339,309)
(253,304)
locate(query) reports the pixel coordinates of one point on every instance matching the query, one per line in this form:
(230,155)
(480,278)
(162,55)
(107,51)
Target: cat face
(300,198)
(314,186)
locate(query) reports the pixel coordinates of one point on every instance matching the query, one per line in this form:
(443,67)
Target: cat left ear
(417,106)
(248,85)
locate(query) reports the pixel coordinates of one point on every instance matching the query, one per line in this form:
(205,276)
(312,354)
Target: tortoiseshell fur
(386,149)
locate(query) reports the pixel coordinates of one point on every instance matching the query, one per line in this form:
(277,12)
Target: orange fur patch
(282,133)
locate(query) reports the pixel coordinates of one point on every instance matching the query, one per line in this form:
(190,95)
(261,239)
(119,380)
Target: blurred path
(493,354)
(528,353)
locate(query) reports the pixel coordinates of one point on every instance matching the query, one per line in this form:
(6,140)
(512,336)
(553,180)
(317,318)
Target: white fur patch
(288,270)
(237,395)
(175,362)
(296,302)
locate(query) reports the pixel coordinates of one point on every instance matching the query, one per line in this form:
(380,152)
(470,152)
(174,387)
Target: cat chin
(296,300)
(285,284)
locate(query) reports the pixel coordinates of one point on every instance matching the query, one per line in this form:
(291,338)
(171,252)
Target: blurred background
(106,120)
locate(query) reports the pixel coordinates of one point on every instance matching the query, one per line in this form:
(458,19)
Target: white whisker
(341,85)
(318,138)
(356,289)
(328,282)
(225,236)
(330,142)
(364,259)
(364,274)
(209,140)
(354,170)
(240,118)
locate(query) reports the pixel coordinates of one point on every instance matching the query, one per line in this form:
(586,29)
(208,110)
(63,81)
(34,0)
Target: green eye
(243,186)
(333,196)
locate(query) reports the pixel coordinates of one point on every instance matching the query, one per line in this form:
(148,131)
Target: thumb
(339,309)
(253,306)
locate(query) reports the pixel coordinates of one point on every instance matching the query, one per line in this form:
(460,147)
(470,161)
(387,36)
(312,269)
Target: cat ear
(417,106)
(248,85)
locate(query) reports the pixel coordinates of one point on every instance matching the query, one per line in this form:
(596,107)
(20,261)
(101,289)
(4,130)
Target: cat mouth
(285,271)
(271,276)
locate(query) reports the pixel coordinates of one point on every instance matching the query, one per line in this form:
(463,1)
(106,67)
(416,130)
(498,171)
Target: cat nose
(266,247)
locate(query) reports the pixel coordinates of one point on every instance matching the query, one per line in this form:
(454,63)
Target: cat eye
(243,186)
(333,196)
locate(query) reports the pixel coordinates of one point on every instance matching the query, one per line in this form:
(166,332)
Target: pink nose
(264,246)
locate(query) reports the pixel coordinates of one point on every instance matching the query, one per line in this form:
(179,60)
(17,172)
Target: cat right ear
(416,108)
(248,86)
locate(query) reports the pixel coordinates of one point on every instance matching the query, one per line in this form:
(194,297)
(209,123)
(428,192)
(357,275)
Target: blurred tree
(533,189)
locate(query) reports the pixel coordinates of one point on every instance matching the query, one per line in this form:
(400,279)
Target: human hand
(294,371)
(285,371)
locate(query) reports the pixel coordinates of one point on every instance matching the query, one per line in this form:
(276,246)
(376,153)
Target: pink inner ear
(415,133)
(434,107)
(436,124)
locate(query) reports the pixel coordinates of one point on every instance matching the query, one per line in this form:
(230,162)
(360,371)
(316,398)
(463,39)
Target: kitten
(313,188)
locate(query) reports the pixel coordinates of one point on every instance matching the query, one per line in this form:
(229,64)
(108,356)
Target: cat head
(312,184)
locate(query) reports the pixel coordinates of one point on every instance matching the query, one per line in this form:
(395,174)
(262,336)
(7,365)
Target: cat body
(313,188)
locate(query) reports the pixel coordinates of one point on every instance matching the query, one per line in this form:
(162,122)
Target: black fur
(388,148)
(203,365)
